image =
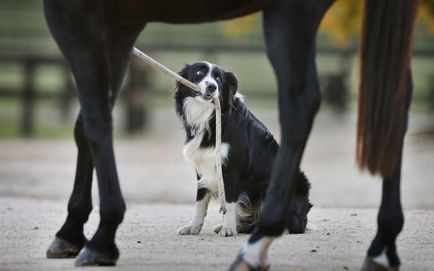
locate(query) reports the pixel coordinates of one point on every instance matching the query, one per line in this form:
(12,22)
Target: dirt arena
(159,188)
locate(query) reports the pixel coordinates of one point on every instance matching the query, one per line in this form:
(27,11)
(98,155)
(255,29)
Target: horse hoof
(240,265)
(60,248)
(371,265)
(89,257)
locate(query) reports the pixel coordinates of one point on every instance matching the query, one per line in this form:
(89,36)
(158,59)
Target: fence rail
(334,88)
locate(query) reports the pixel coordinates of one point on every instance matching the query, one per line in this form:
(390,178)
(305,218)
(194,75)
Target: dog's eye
(199,73)
(218,78)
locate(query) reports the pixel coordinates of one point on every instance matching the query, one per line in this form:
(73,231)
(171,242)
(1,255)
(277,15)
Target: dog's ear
(232,82)
(183,73)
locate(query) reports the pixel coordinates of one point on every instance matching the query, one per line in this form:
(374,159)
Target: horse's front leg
(97,54)
(70,238)
(290,28)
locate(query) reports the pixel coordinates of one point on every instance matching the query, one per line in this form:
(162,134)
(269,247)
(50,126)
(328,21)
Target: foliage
(426,15)
(240,27)
(342,22)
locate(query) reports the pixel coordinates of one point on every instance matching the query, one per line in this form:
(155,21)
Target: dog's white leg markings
(196,223)
(382,259)
(256,254)
(230,220)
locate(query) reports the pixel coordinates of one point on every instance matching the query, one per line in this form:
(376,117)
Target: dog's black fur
(252,148)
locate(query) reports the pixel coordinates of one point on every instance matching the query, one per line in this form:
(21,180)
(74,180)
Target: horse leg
(70,238)
(290,28)
(97,55)
(382,254)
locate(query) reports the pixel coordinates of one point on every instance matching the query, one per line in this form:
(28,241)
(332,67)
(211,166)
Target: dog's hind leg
(290,29)
(97,53)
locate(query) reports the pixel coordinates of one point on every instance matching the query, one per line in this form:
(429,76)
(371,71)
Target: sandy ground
(159,187)
(148,240)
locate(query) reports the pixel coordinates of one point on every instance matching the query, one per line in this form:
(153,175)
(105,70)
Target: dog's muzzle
(209,92)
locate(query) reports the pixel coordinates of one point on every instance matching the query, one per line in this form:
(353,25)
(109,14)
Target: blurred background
(38,106)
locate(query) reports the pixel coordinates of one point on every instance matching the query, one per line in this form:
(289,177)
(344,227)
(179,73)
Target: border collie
(248,151)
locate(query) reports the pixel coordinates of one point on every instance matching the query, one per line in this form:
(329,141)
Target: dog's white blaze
(208,79)
(256,254)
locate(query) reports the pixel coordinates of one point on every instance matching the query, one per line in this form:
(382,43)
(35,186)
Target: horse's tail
(385,62)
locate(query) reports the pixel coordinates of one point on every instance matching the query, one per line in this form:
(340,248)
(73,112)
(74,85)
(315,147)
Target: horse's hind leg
(290,28)
(97,55)
(382,254)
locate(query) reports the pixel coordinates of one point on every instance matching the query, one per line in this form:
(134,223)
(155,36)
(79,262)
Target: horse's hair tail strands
(385,53)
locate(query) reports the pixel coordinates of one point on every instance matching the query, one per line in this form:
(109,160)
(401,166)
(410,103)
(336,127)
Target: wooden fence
(335,91)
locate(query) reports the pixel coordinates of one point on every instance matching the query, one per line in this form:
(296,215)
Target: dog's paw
(218,228)
(228,231)
(190,230)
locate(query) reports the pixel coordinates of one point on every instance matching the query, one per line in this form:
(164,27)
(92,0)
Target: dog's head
(212,80)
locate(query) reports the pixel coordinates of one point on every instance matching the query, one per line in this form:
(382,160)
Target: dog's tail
(247,213)
(384,83)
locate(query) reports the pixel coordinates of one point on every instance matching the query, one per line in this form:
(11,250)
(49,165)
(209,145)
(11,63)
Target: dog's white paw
(311,227)
(228,231)
(218,228)
(190,230)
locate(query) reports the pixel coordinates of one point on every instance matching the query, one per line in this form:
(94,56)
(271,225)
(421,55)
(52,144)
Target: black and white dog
(248,152)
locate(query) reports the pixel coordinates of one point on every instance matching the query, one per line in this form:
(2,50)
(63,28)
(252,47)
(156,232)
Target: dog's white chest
(204,159)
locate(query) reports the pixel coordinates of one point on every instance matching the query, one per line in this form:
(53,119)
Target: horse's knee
(79,134)
(113,211)
(80,209)
(98,130)
(272,220)
(297,115)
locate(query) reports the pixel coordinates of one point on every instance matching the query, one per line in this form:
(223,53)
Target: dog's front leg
(231,184)
(229,227)
(202,199)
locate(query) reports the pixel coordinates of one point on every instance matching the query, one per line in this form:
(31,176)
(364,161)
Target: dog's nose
(211,88)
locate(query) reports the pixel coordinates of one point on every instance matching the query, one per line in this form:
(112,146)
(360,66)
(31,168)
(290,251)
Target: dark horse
(96,38)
